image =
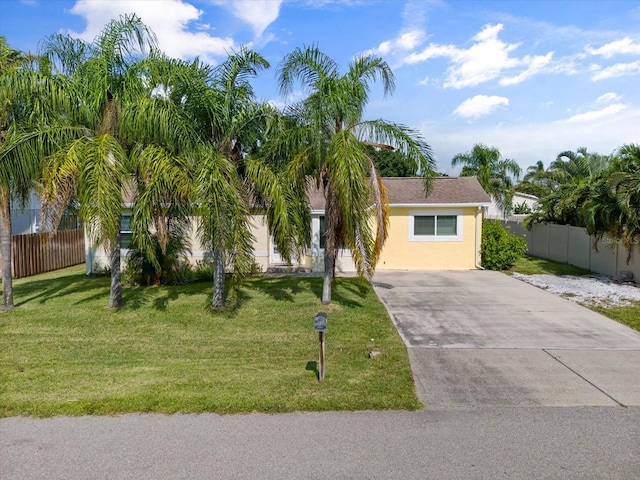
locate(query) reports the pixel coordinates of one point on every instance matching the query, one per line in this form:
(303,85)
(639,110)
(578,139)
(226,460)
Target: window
(424,225)
(322,232)
(435,226)
(125,231)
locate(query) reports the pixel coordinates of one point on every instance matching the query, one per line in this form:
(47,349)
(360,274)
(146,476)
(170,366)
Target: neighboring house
(439,231)
(494,212)
(25,220)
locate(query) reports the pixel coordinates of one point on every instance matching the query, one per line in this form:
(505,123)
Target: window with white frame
(322,232)
(125,231)
(435,225)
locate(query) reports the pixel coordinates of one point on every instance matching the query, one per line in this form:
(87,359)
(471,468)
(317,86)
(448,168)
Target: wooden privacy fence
(42,252)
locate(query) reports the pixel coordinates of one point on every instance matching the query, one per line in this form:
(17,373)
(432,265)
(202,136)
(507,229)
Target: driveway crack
(583,377)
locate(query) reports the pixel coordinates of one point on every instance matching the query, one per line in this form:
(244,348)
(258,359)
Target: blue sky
(532,78)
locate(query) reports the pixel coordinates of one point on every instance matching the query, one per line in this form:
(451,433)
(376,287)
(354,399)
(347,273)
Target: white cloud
(536,65)
(527,143)
(170,24)
(617,70)
(259,14)
(480,105)
(626,46)
(485,60)
(406,41)
(609,97)
(593,115)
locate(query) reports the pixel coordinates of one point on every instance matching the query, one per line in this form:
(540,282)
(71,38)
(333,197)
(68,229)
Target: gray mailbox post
(320,326)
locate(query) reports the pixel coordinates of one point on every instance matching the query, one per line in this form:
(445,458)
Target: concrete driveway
(484,338)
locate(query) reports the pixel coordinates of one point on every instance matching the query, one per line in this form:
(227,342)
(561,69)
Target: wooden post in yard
(321,365)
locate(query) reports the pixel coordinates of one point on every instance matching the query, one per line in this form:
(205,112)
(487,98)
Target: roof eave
(431,205)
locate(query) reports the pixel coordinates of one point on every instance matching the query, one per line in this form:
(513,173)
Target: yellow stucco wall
(260,233)
(401,253)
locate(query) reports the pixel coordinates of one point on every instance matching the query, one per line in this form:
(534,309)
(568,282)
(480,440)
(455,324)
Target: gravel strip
(594,290)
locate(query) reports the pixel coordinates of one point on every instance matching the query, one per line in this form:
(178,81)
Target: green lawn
(534,266)
(629,316)
(63,352)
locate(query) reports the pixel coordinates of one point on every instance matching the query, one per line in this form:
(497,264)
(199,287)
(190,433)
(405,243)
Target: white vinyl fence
(573,245)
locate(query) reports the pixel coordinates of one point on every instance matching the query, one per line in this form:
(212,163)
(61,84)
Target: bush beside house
(500,248)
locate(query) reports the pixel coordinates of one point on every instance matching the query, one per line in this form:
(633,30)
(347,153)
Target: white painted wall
(518,198)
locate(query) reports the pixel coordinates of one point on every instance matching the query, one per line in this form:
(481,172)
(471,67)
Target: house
(520,200)
(438,231)
(25,219)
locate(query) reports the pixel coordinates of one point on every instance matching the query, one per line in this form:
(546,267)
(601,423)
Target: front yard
(63,352)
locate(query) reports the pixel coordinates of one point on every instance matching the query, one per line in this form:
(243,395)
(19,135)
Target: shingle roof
(410,191)
(403,191)
(445,190)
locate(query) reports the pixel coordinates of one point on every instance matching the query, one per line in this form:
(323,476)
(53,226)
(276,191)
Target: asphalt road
(481,443)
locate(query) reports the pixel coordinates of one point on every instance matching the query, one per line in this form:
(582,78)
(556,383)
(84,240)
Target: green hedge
(500,249)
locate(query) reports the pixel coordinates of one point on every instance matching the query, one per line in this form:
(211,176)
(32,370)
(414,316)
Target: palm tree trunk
(328,276)
(218,279)
(333,269)
(5,247)
(115,298)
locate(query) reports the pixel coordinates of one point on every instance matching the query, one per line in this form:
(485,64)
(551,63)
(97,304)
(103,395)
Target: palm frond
(286,205)
(223,210)
(163,184)
(307,65)
(101,178)
(406,140)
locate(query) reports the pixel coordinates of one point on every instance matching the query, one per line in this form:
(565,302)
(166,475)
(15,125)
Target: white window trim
(435,238)
(127,232)
(316,251)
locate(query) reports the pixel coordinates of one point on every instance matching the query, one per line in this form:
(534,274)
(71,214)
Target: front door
(274,255)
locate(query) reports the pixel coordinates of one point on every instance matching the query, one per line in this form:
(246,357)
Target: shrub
(500,249)
(172,268)
(522,209)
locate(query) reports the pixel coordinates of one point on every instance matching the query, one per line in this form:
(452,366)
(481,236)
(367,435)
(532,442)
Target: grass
(629,315)
(535,266)
(63,352)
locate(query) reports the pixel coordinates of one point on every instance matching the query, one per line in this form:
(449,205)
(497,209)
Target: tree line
(585,189)
(598,192)
(83,122)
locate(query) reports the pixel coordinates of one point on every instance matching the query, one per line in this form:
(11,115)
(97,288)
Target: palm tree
(578,166)
(327,138)
(577,192)
(536,181)
(224,218)
(226,126)
(493,172)
(234,125)
(32,109)
(118,113)
(623,190)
